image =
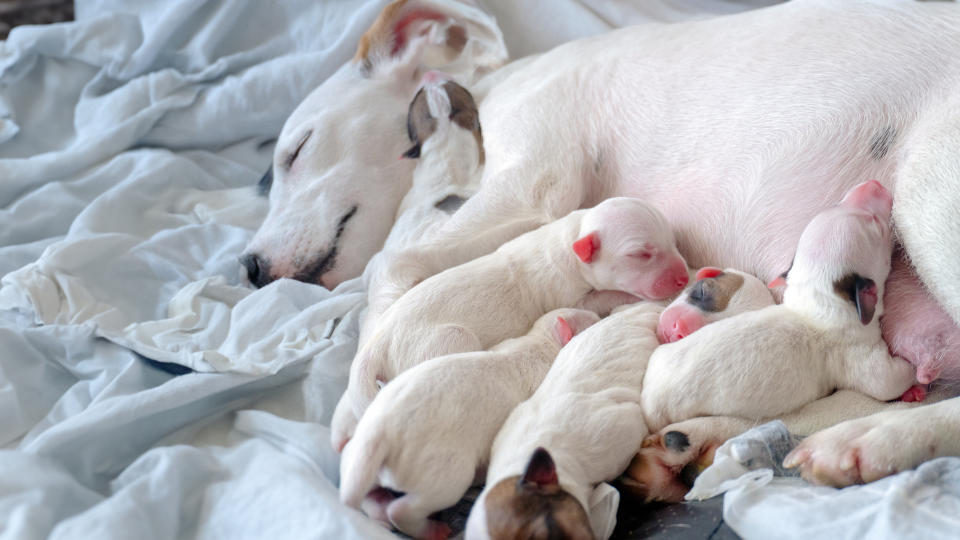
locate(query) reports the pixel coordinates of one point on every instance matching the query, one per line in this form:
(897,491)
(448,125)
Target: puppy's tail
(359,467)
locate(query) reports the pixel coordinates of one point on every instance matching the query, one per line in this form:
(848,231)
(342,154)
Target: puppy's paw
(667,464)
(915,394)
(864,450)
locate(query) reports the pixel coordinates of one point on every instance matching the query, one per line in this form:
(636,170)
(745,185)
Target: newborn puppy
(580,428)
(428,433)
(716,294)
(444,126)
(824,335)
(622,244)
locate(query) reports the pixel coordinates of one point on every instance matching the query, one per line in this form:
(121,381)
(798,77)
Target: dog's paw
(667,464)
(863,450)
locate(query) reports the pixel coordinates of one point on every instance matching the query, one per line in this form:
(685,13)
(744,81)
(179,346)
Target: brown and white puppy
(716,294)
(622,245)
(428,433)
(824,336)
(580,428)
(444,129)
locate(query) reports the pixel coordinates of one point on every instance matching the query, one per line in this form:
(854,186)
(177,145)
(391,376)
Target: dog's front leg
(886,443)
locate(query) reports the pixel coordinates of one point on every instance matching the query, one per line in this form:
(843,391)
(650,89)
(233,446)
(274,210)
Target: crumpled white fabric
(602,510)
(762,500)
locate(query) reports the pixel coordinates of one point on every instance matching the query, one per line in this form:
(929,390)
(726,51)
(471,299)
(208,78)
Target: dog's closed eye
(293,156)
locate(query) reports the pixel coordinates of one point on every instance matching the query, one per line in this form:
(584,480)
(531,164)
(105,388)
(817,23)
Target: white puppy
(622,244)
(428,433)
(824,336)
(580,428)
(444,127)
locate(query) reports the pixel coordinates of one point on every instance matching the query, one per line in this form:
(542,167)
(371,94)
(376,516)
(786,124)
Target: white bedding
(130,141)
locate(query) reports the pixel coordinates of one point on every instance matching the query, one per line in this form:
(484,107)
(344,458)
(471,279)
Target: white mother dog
(739,129)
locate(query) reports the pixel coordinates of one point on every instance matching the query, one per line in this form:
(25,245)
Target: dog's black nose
(257,269)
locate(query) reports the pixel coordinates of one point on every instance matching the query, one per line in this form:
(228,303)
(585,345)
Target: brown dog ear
(401,34)
(541,471)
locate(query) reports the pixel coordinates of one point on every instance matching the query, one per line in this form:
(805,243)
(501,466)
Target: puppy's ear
(541,472)
(563,331)
(862,292)
(412,153)
(865,292)
(405,28)
(586,247)
(708,272)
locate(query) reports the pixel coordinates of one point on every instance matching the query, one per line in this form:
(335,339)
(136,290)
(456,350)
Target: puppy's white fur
(478,304)
(771,361)
(586,412)
(428,433)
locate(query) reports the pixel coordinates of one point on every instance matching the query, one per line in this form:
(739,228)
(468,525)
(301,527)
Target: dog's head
(717,294)
(845,251)
(627,245)
(532,505)
(336,179)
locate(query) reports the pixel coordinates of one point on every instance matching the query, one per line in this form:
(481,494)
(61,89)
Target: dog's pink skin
(679,322)
(917,328)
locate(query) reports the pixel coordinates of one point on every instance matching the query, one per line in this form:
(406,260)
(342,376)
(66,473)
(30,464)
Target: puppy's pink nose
(871,197)
(680,331)
(682,280)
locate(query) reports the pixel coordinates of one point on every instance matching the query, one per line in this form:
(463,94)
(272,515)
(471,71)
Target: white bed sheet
(130,141)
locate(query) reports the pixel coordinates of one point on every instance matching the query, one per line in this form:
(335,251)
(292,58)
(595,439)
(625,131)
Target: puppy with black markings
(824,336)
(428,433)
(617,252)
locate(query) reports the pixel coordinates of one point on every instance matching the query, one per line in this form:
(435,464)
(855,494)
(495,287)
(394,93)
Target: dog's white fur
(774,360)
(480,303)
(449,166)
(740,129)
(428,433)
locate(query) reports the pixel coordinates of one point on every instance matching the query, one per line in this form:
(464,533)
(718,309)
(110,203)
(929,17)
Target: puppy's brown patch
(520,510)
(464,113)
(714,294)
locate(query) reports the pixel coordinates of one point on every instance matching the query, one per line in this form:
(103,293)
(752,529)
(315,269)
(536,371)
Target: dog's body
(739,129)
(428,433)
